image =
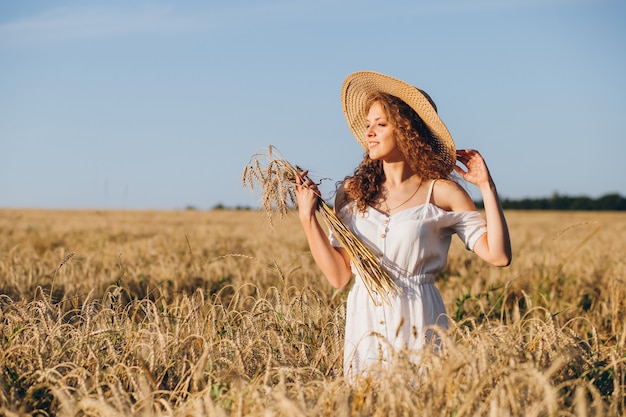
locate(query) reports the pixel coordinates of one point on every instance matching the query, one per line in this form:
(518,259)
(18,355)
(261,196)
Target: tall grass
(213,313)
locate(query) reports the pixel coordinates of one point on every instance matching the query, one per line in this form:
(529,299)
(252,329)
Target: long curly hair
(414,139)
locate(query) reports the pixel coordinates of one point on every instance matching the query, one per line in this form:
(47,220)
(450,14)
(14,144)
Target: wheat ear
(277,177)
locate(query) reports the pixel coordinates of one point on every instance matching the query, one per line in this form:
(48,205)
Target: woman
(401,203)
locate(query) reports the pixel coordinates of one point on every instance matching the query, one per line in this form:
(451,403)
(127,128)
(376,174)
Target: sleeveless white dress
(412,246)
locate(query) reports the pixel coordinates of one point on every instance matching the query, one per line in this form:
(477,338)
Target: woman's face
(380,136)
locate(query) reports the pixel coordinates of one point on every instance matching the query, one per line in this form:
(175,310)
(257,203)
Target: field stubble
(213,313)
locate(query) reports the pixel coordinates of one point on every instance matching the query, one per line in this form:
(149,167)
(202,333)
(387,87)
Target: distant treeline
(562,202)
(609,202)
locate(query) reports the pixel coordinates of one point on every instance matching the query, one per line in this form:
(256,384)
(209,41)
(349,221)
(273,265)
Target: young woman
(402,204)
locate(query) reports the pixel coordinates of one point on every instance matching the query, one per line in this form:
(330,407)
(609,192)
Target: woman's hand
(307,195)
(334,262)
(495,245)
(477,172)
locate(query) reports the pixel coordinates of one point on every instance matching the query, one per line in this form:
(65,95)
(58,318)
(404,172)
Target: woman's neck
(397,173)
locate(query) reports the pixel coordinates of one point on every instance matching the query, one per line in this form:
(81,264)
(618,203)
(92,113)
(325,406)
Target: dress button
(383,235)
(382,322)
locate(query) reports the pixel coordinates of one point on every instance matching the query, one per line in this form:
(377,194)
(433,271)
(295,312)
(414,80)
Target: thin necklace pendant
(388,210)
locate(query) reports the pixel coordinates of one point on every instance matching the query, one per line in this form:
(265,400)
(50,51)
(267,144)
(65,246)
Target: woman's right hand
(334,262)
(307,195)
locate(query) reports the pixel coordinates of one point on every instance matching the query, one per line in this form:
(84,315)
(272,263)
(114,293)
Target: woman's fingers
(303,182)
(300,178)
(467,156)
(303,179)
(475,170)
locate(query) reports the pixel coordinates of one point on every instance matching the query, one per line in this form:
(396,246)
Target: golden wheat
(277,177)
(152,317)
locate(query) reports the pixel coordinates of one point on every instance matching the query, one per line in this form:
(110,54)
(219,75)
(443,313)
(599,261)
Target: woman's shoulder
(341,197)
(449,195)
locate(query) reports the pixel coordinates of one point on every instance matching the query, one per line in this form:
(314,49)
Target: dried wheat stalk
(278,179)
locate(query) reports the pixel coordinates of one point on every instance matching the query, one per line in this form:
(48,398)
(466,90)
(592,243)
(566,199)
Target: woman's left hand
(477,172)
(495,245)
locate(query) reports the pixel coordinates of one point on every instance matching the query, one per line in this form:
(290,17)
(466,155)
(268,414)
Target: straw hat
(359,85)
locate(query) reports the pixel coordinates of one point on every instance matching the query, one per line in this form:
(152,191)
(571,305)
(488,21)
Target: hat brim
(359,85)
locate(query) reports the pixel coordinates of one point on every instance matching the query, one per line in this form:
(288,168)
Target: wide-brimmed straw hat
(359,85)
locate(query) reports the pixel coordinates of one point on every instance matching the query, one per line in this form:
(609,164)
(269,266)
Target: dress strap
(430,191)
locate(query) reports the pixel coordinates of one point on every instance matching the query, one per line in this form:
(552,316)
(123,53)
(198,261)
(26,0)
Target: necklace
(388,211)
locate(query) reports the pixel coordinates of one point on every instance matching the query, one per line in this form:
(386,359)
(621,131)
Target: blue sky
(159,105)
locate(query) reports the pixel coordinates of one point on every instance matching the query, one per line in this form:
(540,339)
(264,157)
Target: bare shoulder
(450,196)
(341,198)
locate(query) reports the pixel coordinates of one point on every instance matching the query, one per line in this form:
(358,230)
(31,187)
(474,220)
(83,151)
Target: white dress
(412,245)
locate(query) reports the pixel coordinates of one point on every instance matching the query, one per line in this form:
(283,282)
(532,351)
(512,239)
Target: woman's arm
(334,262)
(495,246)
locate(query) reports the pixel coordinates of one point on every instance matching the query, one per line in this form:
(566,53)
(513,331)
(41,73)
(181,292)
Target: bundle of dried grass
(278,179)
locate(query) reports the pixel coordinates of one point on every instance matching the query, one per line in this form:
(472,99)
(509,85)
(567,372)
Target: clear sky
(160,104)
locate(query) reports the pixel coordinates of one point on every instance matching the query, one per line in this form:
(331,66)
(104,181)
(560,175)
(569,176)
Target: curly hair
(414,139)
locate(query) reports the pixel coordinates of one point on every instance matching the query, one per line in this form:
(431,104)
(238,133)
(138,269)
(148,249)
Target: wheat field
(213,313)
